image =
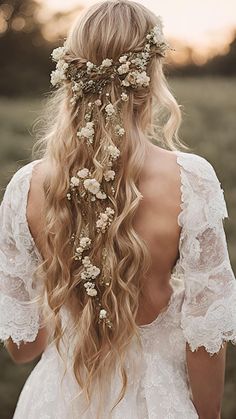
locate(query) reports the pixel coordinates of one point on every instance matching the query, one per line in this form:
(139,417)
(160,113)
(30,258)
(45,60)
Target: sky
(206,25)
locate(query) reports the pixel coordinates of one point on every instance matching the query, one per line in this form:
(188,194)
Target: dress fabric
(201,310)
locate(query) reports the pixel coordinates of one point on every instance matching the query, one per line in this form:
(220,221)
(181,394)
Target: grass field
(209,128)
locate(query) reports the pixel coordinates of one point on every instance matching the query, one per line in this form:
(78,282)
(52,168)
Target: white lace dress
(201,311)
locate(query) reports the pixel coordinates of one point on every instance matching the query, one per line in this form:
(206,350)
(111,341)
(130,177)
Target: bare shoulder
(162,169)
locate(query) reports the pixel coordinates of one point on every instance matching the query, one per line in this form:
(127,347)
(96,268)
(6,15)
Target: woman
(114,261)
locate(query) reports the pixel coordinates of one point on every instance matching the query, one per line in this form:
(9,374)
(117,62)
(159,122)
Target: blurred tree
(25,52)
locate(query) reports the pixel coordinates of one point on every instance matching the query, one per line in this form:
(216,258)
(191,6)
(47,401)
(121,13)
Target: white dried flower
(138,61)
(113,151)
(68,196)
(124,97)
(120,130)
(105,219)
(101,195)
(89,65)
(86,261)
(85,242)
(110,110)
(58,53)
(93,271)
(109,175)
(137,78)
(142,79)
(109,211)
(103,314)
(107,63)
(74,181)
(92,185)
(124,68)
(98,102)
(83,173)
(59,75)
(125,82)
(87,132)
(123,59)
(89,285)
(92,292)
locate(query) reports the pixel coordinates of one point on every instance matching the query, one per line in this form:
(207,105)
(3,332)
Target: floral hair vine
(130,70)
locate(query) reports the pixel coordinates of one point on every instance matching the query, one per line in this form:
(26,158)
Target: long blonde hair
(107,29)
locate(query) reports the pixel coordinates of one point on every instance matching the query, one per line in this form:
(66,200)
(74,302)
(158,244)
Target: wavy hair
(102,31)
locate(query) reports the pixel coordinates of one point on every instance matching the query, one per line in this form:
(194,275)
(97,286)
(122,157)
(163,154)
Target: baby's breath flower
(123,58)
(105,219)
(89,65)
(124,68)
(83,173)
(92,292)
(101,195)
(109,175)
(74,181)
(113,151)
(103,314)
(59,75)
(92,185)
(124,97)
(58,53)
(87,132)
(120,130)
(85,242)
(107,63)
(98,102)
(110,110)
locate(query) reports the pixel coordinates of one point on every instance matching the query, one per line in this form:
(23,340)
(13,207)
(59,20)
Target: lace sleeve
(208,316)
(19,315)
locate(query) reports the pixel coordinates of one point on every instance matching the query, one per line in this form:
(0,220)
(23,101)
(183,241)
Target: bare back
(155,221)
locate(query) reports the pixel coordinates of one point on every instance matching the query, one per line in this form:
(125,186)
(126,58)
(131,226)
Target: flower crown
(130,70)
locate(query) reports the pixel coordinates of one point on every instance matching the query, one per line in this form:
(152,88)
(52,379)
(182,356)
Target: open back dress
(201,310)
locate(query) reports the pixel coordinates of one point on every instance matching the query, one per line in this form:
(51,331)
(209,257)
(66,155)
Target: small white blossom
(87,132)
(89,65)
(98,102)
(125,83)
(92,292)
(137,78)
(109,175)
(120,130)
(89,285)
(143,79)
(113,151)
(58,53)
(107,62)
(109,211)
(93,271)
(74,181)
(101,195)
(83,173)
(110,110)
(124,97)
(86,261)
(59,75)
(78,88)
(85,242)
(123,59)
(92,185)
(103,314)
(105,219)
(124,68)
